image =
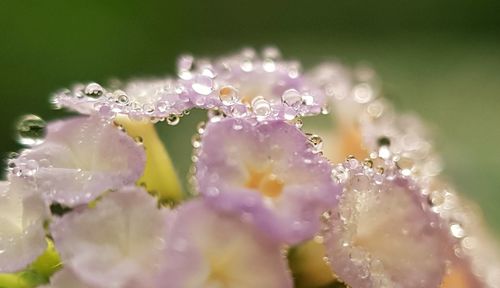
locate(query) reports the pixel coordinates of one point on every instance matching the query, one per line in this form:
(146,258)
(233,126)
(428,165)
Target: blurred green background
(440,59)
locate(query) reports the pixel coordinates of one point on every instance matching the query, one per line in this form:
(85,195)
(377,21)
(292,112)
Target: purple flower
(209,249)
(81,158)
(249,85)
(116,243)
(267,172)
(383,232)
(22,216)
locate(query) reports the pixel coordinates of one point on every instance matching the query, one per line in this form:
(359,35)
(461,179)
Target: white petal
(22,236)
(114,243)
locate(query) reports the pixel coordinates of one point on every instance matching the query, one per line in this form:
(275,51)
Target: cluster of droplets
(248,85)
(149,100)
(471,243)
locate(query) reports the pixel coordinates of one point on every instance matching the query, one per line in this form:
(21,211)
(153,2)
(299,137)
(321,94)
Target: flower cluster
(93,201)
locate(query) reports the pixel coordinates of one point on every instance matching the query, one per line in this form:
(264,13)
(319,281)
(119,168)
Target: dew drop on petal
(196,141)
(228,95)
(202,85)
(31,130)
(299,123)
(261,107)
(457,230)
(363,93)
(93,90)
(173,119)
(316,142)
(121,97)
(292,98)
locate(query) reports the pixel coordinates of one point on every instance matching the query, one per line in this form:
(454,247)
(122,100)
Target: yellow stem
(159,175)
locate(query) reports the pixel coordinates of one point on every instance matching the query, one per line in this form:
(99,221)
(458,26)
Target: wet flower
(209,249)
(114,244)
(22,216)
(267,172)
(475,253)
(251,85)
(272,200)
(80,158)
(382,234)
(138,99)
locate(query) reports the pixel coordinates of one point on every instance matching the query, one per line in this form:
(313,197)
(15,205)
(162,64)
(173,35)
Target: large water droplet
(202,85)
(228,95)
(292,98)
(93,90)
(261,106)
(31,130)
(316,142)
(173,119)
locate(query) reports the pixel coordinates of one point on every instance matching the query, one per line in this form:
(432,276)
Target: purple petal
(267,172)
(81,158)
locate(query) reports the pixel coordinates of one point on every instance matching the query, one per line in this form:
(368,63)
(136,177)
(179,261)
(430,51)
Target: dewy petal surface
(137,99)
(22,215)
(383,233)
(268,173)
(250,84)
(81,158)
(207,249)
(116,243)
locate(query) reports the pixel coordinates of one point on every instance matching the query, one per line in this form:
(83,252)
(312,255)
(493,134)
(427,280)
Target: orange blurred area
(459,276)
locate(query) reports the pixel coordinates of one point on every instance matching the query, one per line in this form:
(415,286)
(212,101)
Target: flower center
(266,182)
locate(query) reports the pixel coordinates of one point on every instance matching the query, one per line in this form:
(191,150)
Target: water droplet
(261,106)
(298,123)
(121,97)
(215,115)
(209,72)
(384,152)
(292,98)
(457,230)
(308,99)
(31,130)
(269,65)
(201,127)
(352,162)
(202,85)
(316,142)
(93,90)
(173,119)
(228,95)
(436,197)
(363,93)
(246,65)
(148,108)
(196,141)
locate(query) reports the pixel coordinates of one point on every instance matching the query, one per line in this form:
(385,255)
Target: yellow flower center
(266,182)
